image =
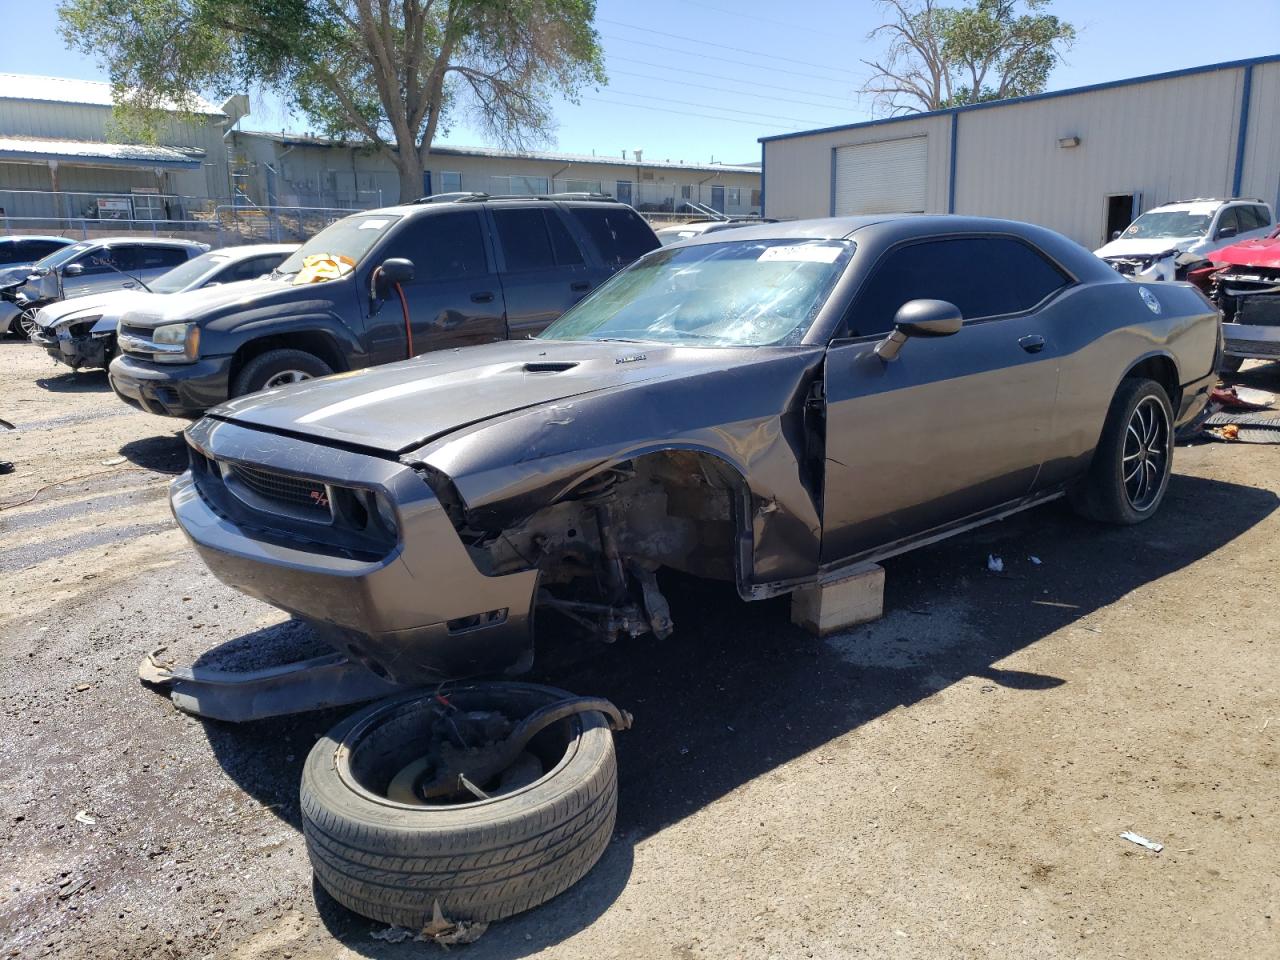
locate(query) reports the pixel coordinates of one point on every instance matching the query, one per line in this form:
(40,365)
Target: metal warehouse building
(1084,161)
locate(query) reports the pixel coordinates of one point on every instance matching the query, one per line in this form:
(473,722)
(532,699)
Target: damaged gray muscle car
(768,405)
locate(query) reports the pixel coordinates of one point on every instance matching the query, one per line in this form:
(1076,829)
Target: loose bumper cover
(414,610)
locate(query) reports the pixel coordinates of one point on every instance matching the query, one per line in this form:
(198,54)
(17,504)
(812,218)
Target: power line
(720,76)
(751,16)
(715,106)
(686,113)
(709,56)
(723,90)
(723,46)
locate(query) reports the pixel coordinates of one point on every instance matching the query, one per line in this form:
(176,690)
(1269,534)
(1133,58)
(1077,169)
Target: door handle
(1032,343)
(129,286)
(484,297)
(580,286)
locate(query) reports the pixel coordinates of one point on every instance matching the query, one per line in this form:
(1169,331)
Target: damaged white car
(1170,240)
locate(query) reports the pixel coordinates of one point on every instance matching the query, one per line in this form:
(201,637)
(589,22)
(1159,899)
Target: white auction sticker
(373,224)
(803,253)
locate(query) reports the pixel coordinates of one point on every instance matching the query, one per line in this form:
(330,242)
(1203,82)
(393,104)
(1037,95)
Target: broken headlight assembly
(176,343)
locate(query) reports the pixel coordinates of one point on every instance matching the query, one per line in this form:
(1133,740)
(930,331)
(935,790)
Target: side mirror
(392,271)
(919,318)
(1115,234)
(73,270)
(1226,232)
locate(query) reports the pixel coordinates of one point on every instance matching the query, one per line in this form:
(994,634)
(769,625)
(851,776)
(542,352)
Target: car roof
(453,201)
(150,241)
(14,238)
(251,250)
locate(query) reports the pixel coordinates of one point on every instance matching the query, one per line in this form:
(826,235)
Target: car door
(543,270)
(455,298)
(95,273)
(955,425)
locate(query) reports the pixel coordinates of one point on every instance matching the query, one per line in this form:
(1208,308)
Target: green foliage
(391,72)
(940,57)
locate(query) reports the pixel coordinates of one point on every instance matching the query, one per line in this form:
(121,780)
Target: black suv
(447,271)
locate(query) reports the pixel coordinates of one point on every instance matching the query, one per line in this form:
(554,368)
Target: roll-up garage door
(884,177)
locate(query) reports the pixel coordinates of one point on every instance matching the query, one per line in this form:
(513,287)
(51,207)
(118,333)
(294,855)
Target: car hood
(1142,247)
(13,275)
(209,302)
(115,303)
(401,406)
(1261,252)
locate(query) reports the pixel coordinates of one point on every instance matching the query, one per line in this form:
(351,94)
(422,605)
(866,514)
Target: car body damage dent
(681,421)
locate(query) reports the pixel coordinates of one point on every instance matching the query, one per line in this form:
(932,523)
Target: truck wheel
(278,368)
(1229,365)
(1134,457)
(545,823)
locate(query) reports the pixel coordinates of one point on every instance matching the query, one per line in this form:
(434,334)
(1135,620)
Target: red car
(1244,282)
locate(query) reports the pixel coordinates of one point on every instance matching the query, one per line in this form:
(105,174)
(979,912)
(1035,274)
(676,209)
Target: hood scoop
(549,366)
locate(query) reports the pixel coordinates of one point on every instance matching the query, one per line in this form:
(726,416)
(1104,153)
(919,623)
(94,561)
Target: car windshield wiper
(137,280)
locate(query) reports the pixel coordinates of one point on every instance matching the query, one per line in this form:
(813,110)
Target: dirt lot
(949,782)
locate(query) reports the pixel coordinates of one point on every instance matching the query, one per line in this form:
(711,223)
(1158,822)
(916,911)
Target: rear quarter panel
(1110,330)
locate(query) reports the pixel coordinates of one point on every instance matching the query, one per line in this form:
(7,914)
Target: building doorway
(1122,210)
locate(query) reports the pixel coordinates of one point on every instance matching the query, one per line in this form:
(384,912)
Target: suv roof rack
(476,197)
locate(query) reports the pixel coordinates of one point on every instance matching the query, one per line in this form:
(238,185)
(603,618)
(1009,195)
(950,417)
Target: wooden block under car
(838,604)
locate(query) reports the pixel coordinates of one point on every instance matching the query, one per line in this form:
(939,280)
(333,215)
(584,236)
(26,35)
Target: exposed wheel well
(1163,371)
(314,342)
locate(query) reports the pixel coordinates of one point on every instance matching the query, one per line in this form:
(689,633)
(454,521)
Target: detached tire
(482,860)
(1229,365)
(278,368)
(1130,470)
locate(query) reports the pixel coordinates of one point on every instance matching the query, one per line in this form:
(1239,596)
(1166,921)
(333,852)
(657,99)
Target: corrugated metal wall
(65,121)
(1167,139)
(798,171)
(1262,151)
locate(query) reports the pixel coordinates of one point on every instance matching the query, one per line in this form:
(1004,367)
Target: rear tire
(480,860)
(1131,465)
(278,368)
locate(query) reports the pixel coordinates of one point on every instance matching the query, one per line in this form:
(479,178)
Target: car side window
(156,258)
(617,232)
(983,276)
(1228,223)
(524,238)
(442,246)
(249,269)
(1253,218)
(562,243)
(97,262)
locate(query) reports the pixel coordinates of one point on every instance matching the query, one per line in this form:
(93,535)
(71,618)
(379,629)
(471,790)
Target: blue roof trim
(75,160)
(1108,85)
(1242,134)
(951,175)
(762,181)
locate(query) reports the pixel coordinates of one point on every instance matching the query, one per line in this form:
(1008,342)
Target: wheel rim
(27,322)
(375,758)
(284,378)
(1145,461)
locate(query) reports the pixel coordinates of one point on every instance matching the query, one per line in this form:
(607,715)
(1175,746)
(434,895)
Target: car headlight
(184,335)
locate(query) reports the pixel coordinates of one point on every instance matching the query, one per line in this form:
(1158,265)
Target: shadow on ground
(738,691)
(83,381)
(164,453)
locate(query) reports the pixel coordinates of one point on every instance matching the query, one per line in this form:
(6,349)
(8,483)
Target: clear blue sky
(694,80)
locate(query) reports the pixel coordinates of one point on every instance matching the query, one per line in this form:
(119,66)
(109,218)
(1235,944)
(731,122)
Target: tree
(392,72)
(939,57)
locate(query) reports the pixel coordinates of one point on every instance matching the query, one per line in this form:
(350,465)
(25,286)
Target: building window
(755,198)
(735,196)
(530,186)
(450,181)
(686,192)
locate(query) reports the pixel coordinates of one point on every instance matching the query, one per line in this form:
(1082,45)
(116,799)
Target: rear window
(617,232)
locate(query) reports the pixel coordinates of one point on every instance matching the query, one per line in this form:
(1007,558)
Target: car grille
(282,488)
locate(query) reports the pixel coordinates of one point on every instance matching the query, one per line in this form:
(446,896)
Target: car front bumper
(1253,341)
(420,612)
(77,352)
(171,389)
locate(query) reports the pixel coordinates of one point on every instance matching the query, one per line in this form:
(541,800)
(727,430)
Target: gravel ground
(948,782)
